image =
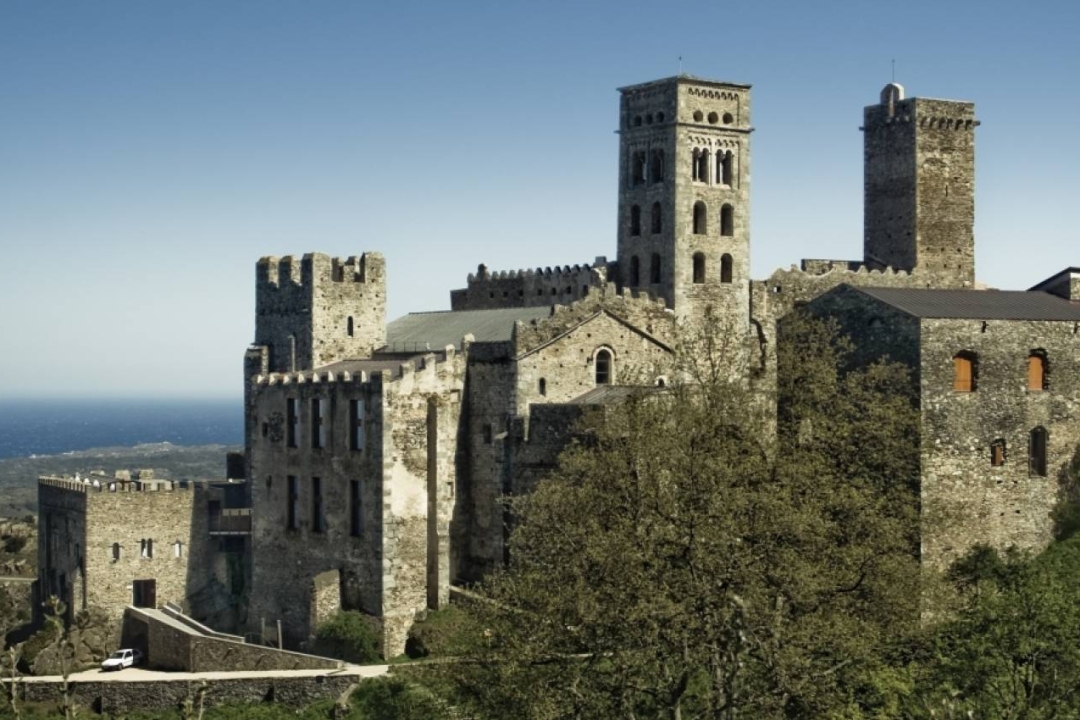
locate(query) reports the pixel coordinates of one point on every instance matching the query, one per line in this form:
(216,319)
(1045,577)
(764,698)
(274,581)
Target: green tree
(681,563)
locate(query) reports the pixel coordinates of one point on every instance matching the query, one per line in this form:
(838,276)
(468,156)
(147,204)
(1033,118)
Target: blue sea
(50,427)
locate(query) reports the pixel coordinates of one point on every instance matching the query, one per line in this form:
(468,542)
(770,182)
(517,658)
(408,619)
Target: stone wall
(118,698)
(527,288)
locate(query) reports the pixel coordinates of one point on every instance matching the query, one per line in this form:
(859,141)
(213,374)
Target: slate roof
(421,332)
(612,394)
(976,304)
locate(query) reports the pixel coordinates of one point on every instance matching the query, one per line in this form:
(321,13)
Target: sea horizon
(54,425)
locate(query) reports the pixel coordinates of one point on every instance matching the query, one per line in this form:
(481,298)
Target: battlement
(529,287)
(314,268)
(442,363)
(104,483)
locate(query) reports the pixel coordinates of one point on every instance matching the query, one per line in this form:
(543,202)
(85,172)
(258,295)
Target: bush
(450,631)
(393,699)
(347,636)
(40,640)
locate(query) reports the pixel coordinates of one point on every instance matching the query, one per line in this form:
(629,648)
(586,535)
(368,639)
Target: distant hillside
(18,476)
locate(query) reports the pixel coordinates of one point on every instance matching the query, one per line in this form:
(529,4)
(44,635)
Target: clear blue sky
(150,152)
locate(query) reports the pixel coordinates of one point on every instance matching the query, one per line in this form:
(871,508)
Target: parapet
(103,483)
(529,287)
(315,268)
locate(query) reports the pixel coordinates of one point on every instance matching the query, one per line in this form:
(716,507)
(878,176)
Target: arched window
(656,171)
(1037,452)
(654,270)
(116,551)
(723,167)
(543,386)
(635,271)
(727,220)
(635,220)
(703,166)
(603,367)
(725,268)
(1038,377)
(694,164)
(700,218)
(997,452)
(965,371)
(657,218)
(349,326)
(699,268)
(638,170)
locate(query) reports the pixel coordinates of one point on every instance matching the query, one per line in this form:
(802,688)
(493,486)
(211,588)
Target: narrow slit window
(292,421)
(318,423)
(635,220)
(542,386)
(318,509)
(356,527)
(116,551)
(356,424)
(657,169)
(657,219)
(349,326)
(997,452)
(1037,452)
(291,514)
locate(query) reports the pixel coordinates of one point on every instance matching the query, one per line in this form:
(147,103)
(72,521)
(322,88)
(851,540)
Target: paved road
(142,674)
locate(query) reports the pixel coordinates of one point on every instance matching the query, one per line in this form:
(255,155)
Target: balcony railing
(231,521)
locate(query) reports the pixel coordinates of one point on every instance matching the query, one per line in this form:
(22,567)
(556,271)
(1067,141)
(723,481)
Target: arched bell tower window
(654,269)
(700,218)
(657,218)
(604,367)
(723,167)
(635,220)
(638,168)
(1037,371)
(699,268)
(656,169)
(727,220)
(725,268)
(635,271)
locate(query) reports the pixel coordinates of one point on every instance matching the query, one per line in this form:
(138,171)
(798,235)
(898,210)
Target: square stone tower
(919,187)
(684,193)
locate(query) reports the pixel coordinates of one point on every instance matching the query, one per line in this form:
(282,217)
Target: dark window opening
(657,218)
(349,326)
(291,514)
(356,527)
(318,514)
(356,424)
(292,421)
(603,367)
(723,167)
(639,167)
(727,221)
(635,220)
(699,268)
(116,551)
(965,372)
(725,268)
(488,435)
(1037,452)
(635,271)
(542,386)
(656,171)
(701,166)
(997,452)
(700,218)
(318,423)
(654,270)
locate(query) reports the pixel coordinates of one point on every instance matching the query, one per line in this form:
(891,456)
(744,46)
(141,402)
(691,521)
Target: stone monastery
(377,453)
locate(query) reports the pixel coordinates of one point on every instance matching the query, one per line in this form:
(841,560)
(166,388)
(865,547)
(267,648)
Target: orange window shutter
(1035,373)
(961,374)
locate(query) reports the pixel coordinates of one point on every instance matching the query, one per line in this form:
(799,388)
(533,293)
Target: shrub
(445,632)
(347,636)
(393,699)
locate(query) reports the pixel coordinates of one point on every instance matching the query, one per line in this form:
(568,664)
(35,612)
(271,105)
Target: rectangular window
(318,423)
(318,516)
(1037,452)
(178,549)
(356,424)
(356,526)
(147,548)
(293,503)
(292,420)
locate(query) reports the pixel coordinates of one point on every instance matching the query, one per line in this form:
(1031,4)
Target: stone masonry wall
(527,288)
(965,498)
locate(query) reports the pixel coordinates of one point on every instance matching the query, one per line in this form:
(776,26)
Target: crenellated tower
(919,187)
(684,195)
(316,310)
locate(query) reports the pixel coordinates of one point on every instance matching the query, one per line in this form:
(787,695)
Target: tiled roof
(421,332)
(976,304)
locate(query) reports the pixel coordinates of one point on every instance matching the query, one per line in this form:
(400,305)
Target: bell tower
(684,195)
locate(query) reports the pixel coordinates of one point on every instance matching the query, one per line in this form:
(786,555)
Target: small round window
(728,119)
(698,116)
(713,118)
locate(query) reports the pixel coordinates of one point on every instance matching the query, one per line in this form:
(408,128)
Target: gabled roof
(613,394)
(975,304)
(420,332)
